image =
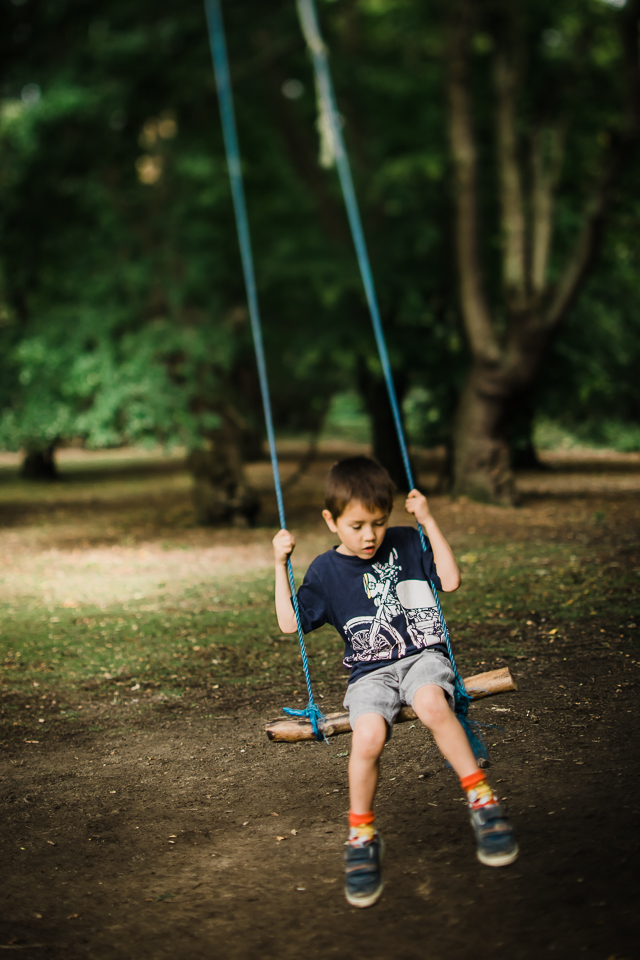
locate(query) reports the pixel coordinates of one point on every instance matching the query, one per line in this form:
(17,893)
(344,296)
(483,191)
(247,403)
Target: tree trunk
(221,493)
(40,465)
(386,448)
(507,357)
(481,462)
(524,455)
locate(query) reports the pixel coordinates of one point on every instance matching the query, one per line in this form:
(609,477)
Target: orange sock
(360,819)
(477,789)
(361,827)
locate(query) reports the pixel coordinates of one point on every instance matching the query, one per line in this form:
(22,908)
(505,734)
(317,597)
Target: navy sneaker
(363,873)
(497,845)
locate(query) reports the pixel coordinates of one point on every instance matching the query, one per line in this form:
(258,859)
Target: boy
(374,590)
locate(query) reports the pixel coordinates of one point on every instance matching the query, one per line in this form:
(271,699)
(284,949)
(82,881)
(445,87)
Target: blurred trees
(122,314)
(124,317)
(564,100)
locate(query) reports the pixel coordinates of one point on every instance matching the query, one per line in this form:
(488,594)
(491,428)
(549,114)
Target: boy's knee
(369,735)
(431,706)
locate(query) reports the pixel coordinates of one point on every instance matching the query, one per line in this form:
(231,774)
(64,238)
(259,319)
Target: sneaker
(363,874)
(497,846)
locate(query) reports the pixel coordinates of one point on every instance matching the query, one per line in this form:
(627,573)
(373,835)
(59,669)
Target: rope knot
(314,714)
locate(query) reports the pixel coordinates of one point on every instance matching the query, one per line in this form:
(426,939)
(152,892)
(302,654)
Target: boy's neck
(345,551)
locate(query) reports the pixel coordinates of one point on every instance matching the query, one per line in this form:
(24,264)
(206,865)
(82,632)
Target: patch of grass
(157,652)
(229,638)
(516,596)
(515,580)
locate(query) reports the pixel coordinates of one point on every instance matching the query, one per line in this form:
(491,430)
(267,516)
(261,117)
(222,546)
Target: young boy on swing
(374,589)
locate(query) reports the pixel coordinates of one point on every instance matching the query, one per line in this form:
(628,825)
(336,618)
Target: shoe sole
(498,860)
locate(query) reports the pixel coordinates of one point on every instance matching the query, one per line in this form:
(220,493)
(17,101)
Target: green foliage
(346,419)
(121,296)
(141,387)
(590,384)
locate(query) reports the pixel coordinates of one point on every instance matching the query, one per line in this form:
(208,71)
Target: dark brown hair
(358,478)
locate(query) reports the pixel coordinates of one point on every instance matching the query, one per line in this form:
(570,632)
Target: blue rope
(225,99)
(310,27)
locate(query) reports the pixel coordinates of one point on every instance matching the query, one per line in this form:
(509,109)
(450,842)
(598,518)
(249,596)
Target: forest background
(494,148)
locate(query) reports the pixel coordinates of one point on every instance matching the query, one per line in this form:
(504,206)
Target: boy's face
(360,529)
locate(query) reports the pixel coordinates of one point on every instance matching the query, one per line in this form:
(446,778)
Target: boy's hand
(416,503)
(283,545)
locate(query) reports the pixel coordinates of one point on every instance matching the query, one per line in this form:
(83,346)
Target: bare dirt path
(196,838)
(179,831)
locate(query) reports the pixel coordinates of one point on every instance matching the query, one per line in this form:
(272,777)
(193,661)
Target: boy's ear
(329,521)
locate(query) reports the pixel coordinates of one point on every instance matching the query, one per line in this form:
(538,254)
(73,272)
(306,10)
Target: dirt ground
(183,832)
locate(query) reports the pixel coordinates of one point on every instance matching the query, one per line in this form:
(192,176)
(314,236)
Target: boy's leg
(363,876)
(496,844)
(367,744)
(432,708)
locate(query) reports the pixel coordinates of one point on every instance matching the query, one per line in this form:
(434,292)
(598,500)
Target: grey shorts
(388,689)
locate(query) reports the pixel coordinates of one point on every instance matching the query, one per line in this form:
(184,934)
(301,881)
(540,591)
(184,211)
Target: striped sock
(361,828)
(477,790)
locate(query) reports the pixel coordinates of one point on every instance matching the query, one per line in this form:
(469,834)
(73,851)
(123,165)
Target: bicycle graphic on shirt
(376,638)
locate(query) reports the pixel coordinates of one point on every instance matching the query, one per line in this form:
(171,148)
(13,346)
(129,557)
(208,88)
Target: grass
(128,600)
(232,638)
(226,640)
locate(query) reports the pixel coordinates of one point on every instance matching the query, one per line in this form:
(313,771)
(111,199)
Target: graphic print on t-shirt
(375,638)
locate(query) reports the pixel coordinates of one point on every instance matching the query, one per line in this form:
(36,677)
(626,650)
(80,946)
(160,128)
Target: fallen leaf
(51,843)
(275,814)
(173,836)
(73,916)
(280,838)
(294,833)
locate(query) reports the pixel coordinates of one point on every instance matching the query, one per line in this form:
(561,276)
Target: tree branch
(475,309)
(512,212)
(547,158)
(621,144)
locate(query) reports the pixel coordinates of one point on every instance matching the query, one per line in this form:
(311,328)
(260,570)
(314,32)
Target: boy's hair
(358,478)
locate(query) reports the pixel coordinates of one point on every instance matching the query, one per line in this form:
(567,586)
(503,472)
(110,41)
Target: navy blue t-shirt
(383,608)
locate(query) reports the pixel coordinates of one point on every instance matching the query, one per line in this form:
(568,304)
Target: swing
(310,723)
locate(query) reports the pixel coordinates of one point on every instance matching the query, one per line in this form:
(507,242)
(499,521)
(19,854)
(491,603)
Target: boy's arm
(445,561)
(283,546)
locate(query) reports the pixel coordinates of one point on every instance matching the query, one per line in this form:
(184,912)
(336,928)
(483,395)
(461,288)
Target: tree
(124,315)
(561,139)
(589,387)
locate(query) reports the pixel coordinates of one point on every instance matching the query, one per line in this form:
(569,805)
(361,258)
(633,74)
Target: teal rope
(225,99)
(310,27)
